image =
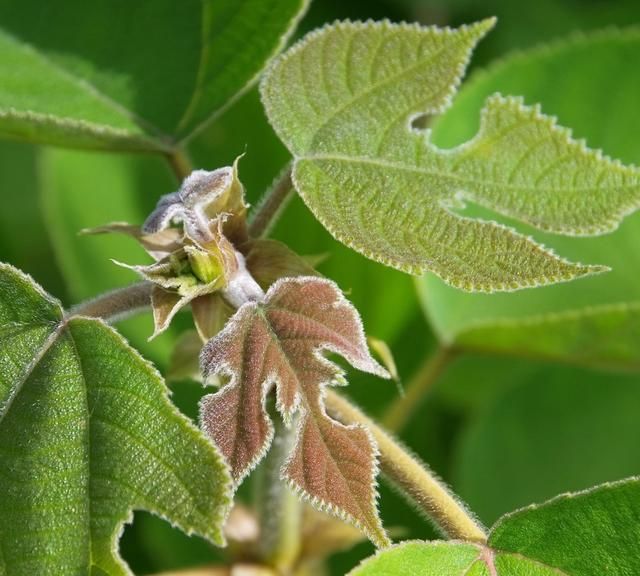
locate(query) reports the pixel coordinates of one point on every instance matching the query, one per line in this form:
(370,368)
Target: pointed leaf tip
(386,191)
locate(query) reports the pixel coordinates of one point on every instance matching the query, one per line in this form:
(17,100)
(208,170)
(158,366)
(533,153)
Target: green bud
(206,266)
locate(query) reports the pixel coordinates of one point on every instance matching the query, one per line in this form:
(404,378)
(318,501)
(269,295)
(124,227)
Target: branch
(404,407)
(117,304)
(411,476)
(180,163)
(279,509)
(271,205)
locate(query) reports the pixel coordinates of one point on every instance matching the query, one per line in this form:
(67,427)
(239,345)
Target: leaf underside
(590,533)
(343,100)
(280,343)
(88,435)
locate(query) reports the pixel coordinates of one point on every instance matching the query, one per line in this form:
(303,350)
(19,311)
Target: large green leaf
(594,320)
(130,75)
(369,285)
(591,533)
(552,430)
(384,189)
(87,434)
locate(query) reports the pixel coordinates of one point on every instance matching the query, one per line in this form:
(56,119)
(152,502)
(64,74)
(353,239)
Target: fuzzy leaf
(88,435)
(280,343)
(269,260)
(593,321)
(589,533)
(131,75)
(343,100)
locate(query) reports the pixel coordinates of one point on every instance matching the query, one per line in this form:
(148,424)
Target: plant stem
(400,412)
(180,163)
(116,304)
(272,204)
(279,509)
(411,476)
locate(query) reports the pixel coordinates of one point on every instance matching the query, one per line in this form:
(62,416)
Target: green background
(503,431)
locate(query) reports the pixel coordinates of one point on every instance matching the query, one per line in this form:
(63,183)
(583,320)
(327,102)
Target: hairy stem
(180,163)
(116,304)
(280,510)
(401,411)
(272,204)
(411,476)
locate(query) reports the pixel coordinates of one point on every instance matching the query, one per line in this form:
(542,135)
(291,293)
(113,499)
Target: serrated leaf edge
(225,369)
(380,539)
(217,536)
(406,543)
(517,104)
(561,497)
(587,269)
(126,140)
(480,28)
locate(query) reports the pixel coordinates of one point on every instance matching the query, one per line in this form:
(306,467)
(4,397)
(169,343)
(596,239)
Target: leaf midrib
(373,87)
(426,171)
(35,361)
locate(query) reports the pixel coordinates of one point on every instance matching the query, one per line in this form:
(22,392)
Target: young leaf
(280,343)
(100,79)
(585,534)
(592,321)
(343,100)
(88,435)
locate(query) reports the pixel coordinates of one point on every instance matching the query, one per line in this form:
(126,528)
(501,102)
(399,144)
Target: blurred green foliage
(503,431)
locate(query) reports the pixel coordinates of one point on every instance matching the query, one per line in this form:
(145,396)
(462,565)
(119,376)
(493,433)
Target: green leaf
(369,285)
(381,187)
(133,76)
(420,558)
(555,429)
(582,534)
(592,321)
(87,435)
(605,336)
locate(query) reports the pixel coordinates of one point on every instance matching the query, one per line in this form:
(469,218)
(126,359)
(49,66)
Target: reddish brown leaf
(280,342)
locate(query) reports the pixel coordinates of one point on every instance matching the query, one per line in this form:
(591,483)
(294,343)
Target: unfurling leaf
(343,101)
(280,343)
(590,533)
(199,259)
(202,197)
(87,436)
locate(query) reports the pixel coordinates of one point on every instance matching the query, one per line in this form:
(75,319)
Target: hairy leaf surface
(88,435)
(593,321)
(130,75)
(280,343)
(343,101)
(585,534)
